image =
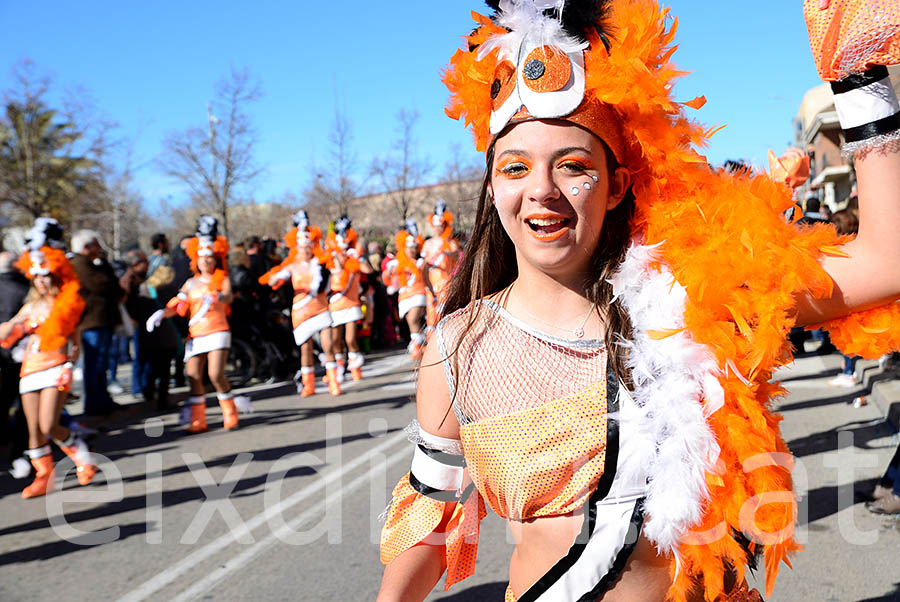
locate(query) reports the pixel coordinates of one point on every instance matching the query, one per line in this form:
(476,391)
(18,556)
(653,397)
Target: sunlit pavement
(286,507)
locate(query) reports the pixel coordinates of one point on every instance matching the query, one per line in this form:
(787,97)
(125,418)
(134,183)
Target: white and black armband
(437,466)
(867,108)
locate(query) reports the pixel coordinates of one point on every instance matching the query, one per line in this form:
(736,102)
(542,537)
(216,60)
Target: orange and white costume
(541,434)
(440,254)
(344,303)
(309,310)
(699,448)
(207,315)
(408,269)
(47,332)
(40,369)
(199,298)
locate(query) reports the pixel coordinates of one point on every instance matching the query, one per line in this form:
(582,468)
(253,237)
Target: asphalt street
(286,507)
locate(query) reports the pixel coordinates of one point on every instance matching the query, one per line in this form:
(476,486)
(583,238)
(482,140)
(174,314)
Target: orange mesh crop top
(532,410)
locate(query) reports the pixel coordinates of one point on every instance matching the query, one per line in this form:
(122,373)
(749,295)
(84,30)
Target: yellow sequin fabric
(544,461)
(532,410)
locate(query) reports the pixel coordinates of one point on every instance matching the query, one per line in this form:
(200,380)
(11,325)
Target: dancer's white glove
(155,320)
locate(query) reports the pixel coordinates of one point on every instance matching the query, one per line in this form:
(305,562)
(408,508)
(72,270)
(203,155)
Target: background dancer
(306,266)
(204,300)
(611,397)
(47,323)
(441,253)
(408,271)
(344,303)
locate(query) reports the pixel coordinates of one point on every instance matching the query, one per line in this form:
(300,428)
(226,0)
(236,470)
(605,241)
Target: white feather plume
(676,390)
(526,19)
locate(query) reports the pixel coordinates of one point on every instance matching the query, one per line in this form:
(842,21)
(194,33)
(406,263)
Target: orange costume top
(536,440)
(35,359)
(199,301)
(409,277)
(345,285)
(310,299)
(440,263)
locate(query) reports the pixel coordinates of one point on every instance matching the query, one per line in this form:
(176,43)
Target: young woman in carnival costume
(204,300)
(307,267)
(406,273)
(441,253)
(47,324)
(344,303)
(601,376)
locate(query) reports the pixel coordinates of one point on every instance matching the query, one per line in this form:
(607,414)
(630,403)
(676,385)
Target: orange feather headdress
(42,258)
(343,237)
(442,217)
(606,66)
(303,233)
(207,243)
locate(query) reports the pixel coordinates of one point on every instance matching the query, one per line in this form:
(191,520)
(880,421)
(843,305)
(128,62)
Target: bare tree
(402,171)
(462,175)
(335,185)
(217,162)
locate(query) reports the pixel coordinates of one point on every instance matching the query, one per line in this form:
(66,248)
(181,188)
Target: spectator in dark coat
(102,294)
(135,274)
(13,289)
(157,349)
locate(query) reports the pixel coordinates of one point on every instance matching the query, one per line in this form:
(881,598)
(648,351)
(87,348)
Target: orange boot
(229,411)
(334,387)
(78,451)
(194,415)
(355,363)
(341,366)
(309,382)
(42,460)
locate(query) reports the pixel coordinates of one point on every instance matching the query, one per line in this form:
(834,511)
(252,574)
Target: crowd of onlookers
(121,293)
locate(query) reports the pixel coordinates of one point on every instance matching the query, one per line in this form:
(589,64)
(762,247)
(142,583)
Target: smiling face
(551,186)
(42,284)
(206,264)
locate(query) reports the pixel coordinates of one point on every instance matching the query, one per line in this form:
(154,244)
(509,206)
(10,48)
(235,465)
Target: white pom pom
(243,404)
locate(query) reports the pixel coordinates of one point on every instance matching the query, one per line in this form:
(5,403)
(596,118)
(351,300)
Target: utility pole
(220,205)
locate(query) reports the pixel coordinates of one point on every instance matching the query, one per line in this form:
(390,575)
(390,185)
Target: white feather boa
(676,388)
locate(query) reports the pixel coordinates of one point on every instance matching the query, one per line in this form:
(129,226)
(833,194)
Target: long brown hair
(489,265)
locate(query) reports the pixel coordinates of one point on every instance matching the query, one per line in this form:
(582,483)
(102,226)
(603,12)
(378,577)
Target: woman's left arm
(226,295)
(870,276)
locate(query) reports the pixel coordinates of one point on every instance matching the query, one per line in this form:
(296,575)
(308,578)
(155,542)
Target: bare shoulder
(434,399)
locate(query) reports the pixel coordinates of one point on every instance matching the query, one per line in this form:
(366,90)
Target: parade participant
(407,273)
(345,304)
(601,376)
(47,323)
(306,266)
(441,253)
(204,301)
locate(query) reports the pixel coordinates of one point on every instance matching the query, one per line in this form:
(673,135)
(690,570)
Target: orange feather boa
(742,265)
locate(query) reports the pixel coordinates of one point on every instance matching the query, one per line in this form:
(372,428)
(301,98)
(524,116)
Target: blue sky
(152,67)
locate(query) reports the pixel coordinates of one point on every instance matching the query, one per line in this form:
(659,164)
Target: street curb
(885,387)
